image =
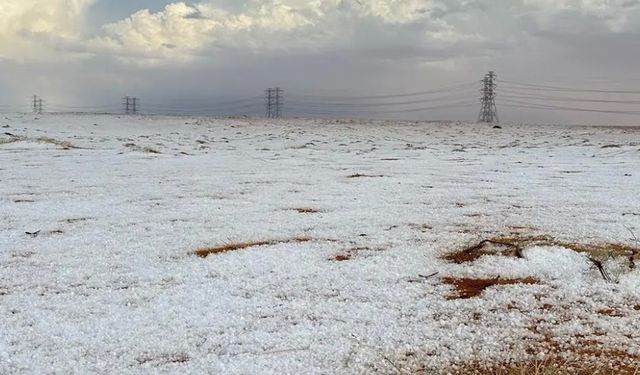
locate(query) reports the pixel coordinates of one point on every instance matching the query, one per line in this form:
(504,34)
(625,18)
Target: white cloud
(181,31)
(585,16)
(29,29)
(34,29)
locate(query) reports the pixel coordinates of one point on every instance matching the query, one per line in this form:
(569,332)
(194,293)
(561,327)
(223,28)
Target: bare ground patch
(205,252)
(514,245)
(485,247)
(607,363)
(469,288)
(352,252)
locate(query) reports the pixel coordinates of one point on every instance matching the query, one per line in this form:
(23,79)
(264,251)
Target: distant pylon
(131,105)
(488,109)
(268,102)
(37,104)
(274,101)
(279,102)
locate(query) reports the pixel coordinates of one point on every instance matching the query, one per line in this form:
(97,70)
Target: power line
(536,87)
(209,105)
(381,104)
(203,109)
(89,107)
(520,104)
(566,99)
(399,95)
(407,110)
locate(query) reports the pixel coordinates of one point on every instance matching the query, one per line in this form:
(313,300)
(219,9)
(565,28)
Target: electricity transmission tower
(37,104)
(131,105)
(488,109)
(274,101)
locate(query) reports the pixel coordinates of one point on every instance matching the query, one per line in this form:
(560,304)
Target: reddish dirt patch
(474,252)
(547,306)
(513,246)
(352,252)
(342,258)
(469,288)
(203,253)
(610,312)
(609,363)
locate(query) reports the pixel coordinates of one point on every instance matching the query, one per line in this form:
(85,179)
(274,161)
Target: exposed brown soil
(469,288)
(485,247)
(610,312)
(513,246)
(342,258)
(350,253)
(607,363)
(203,253)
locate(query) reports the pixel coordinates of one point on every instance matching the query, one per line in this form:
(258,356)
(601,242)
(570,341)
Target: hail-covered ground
(336,233)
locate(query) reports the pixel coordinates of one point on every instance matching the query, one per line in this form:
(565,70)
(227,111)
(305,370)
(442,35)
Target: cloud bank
(392,40)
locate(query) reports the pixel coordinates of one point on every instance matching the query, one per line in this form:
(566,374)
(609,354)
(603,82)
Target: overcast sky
(85,52)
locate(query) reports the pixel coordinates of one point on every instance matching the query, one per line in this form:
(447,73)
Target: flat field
(247,246)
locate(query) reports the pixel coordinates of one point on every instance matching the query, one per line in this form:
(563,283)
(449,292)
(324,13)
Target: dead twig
(399,369)
(598,264)
(634,252)
(429,276)
(422,278)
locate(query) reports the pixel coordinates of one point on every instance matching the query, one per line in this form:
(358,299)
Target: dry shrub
(151,150)
(469,288)
(4,141)
(64,144)
(203,253)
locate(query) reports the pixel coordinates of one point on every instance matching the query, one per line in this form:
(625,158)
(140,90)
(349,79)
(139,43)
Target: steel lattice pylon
(488,109)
